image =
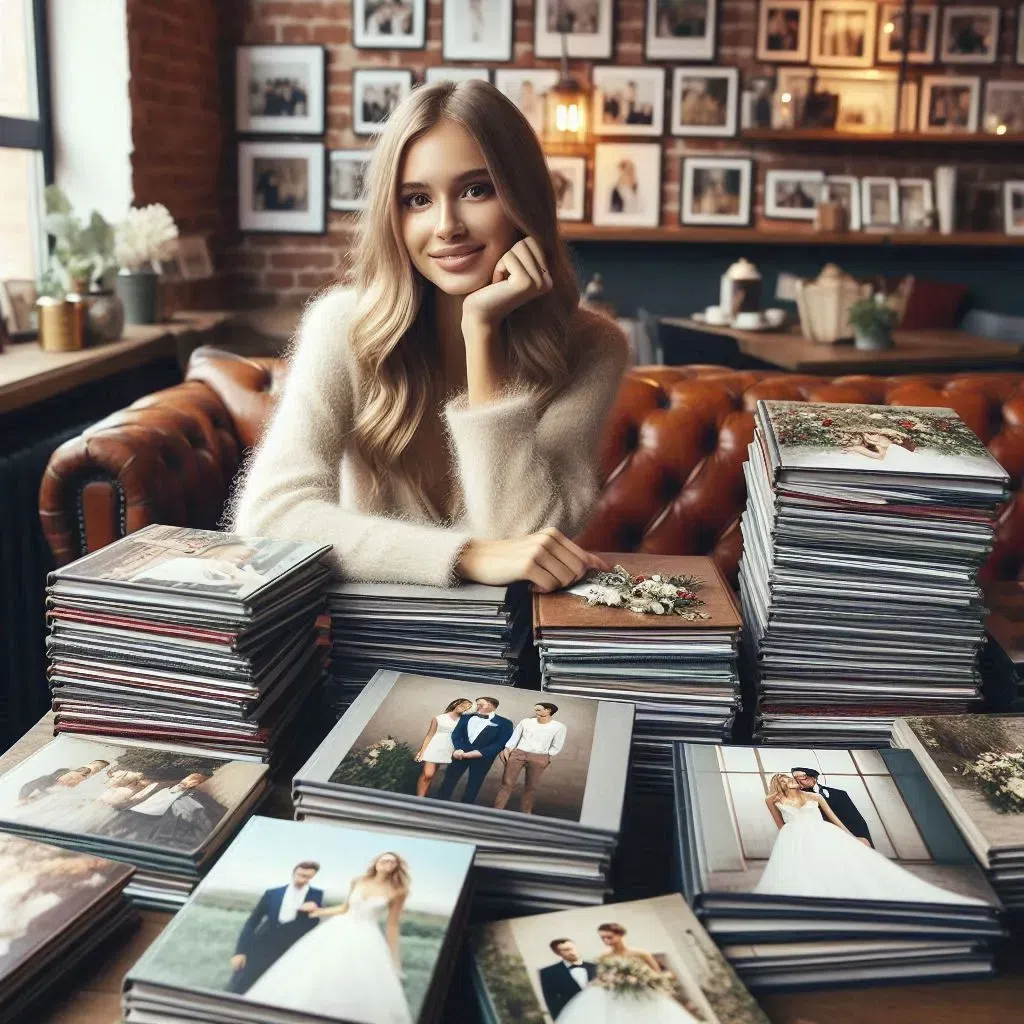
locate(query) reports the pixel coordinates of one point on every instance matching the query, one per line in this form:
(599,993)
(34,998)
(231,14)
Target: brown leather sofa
(671,457)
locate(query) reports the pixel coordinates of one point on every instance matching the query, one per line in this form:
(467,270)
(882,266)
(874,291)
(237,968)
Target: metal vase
(137,290)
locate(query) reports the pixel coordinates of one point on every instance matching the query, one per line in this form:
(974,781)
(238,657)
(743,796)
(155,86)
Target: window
(25,140)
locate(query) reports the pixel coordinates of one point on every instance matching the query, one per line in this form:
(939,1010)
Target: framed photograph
(792,195)
(449,74)
(281,187)
(375,93)
(949,103)
(1004,107)
(528,90)
(18,305)
(587,25)
(756,102)
(347,178)
(389,24)
(1013,207)
(843,33)
(917,202)
(628,101)
(784,31)
(716,190)
(844,189)
(192,255)
(280,89)
(970,35)
(705,101)
(920,36)
(680,29)
(865,100)
(627,184)
(477,30)
(569,178)
(880,202)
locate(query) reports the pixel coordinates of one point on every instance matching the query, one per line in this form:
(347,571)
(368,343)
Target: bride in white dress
(597,1004)
(345,968)
(849,870)
(437,746)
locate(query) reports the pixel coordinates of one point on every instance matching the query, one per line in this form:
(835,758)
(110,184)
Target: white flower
(143,236)
(388,744)
(1015,786)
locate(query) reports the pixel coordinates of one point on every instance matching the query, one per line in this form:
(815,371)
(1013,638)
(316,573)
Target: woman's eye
(416,201)
(478,191)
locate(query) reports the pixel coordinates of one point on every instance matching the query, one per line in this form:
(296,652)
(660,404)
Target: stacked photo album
(826,866)
(645,960)
(537,785)
(472,632)
(57,908)
(169,814)
(188,637)
(976,764)
(302,922)
(863,536)
(659,631)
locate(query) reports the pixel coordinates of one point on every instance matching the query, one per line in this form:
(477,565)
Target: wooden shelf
(856,138)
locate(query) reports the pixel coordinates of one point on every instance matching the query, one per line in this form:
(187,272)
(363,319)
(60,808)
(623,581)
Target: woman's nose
(449,224)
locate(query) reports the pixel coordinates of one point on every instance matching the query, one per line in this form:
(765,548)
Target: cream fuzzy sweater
(518,472)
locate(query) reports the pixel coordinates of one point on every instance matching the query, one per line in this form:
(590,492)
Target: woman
(345,968)
(600,1004)
(875,444)
(454,398)
(437,746)
(818,858)
(626,191)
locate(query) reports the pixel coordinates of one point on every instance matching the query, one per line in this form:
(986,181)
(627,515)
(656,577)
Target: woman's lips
(457,263)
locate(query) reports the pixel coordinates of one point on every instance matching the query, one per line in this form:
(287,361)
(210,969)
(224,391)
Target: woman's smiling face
(454,226)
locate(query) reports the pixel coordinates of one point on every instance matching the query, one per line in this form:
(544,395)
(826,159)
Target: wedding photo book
(538,785)
(645,960)
(305,922)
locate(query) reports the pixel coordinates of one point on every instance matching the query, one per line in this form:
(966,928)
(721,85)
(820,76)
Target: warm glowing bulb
(574,118)
(1001,130)
(889,28)
(786,97)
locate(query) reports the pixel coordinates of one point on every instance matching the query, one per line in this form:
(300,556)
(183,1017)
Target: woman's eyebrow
(477,172)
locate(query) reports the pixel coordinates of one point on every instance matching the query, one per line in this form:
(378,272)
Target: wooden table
(920,351)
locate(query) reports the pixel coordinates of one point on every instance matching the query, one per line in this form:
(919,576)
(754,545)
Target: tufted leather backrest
(675,442)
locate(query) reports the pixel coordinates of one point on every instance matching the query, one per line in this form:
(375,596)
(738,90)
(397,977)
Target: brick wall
(275,269)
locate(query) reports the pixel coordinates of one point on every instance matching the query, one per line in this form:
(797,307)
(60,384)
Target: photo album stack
(57,908)
(836,867)
(660,632)
(202,640)
(864,532)
(976,764)
(537,785)
(472,632)
(301,922)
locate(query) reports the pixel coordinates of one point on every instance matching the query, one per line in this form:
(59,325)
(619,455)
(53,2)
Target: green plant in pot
(872,321)
(82,253)
(143,237)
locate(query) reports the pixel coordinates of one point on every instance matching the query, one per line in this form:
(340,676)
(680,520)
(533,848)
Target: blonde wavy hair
(392,331)
(398,880)
(779,790)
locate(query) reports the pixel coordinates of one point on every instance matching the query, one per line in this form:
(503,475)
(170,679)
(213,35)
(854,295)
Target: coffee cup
(748,321)
(775,317)
(715,315)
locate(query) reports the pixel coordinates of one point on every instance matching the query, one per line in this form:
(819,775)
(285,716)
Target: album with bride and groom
(849,854)
(304,922)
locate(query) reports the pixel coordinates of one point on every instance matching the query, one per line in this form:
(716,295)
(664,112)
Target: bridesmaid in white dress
(437,746)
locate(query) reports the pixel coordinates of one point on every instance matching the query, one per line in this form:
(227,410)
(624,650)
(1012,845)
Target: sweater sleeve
(291,487)
(521,472)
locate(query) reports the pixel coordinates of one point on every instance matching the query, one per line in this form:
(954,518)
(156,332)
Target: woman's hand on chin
(547,559)
(520,276)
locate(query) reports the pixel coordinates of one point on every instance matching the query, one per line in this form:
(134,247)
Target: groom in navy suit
(478,739)
(838,799)
(278,921)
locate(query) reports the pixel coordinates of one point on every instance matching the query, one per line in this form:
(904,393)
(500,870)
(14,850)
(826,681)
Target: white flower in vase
(144,236)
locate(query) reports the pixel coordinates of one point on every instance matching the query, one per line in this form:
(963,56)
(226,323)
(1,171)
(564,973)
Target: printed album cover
(316,919)
(883,438)
(647,960)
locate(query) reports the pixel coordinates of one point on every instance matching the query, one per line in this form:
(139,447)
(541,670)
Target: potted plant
(872,321)
(140,239)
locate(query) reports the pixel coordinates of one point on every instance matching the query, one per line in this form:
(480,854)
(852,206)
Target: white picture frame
(280,90)
(1013,207)
(792,195)
(916,203)
(589,29)
(346,179)
(480,31)
(711,186)
(845,189)
(943,111)
(295,203)
(867,99)
(784,31)
(389,24)
(628,100)
(705,102)
(627,175)
(569,179)
(1004,107)
(970,34)
(527,88)
(843,33)
(879,202)
(375,93)
(447,73)
(661,42)
(924,20)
